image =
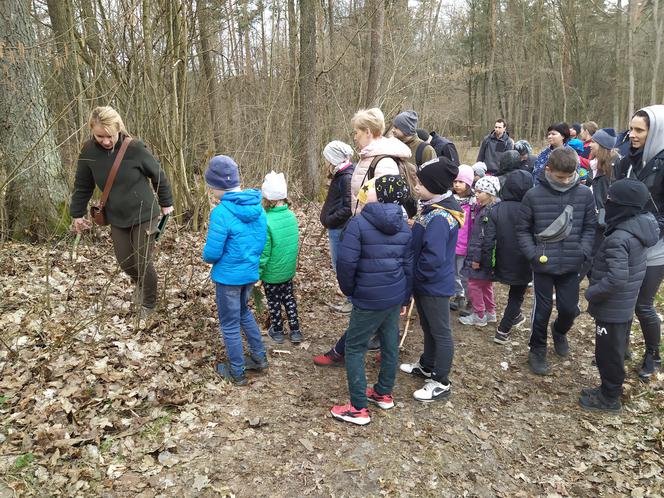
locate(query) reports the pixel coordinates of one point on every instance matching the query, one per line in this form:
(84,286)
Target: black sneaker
(597,402)
(519,320)
(537,363)
(587,391)
(501,337)
(651,362)
(276,336)
(255,362)
(224,370)
(374,343)
(560,344)
(296,337)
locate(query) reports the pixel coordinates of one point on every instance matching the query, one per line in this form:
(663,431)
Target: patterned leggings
(278,294)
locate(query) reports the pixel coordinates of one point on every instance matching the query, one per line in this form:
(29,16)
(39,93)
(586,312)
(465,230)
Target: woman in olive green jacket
(279,258)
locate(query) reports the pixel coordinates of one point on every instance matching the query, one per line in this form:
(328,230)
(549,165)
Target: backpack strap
(371,171)
(419,152)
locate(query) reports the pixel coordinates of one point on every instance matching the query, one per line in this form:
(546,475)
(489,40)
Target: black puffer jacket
(540,207)
(337,207)
(444,147)
(652,174)
(512,268)
(619,268)
(478,251)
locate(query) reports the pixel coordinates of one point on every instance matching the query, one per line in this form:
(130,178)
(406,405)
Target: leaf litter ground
(92,403)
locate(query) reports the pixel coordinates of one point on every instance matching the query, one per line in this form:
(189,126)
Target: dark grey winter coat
(512,267)
(619,268)
(478,251)
(540,207)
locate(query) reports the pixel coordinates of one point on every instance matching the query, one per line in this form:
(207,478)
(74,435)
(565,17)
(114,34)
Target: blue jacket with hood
(236,237)
(374,265)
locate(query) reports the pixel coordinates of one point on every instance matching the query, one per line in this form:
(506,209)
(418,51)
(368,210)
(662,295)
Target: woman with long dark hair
(645,162)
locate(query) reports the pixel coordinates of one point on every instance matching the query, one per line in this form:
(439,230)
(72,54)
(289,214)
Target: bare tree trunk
(307,110)
(330,24)
(630,55)
(292,77)
(209,72)
(377,11)
(659,27)
(618,67)
(33,190)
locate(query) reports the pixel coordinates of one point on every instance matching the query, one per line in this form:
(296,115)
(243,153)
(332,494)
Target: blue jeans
(334,235)
(234,314)
(363,324)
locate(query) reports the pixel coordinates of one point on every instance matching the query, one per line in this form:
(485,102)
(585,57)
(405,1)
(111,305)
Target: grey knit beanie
(407,122)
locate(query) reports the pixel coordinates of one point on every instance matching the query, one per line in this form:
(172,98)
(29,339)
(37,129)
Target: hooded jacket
(279,257)
(476,246)
(374,265)
(469,207)
(444,147)
(382,146)
(236,238)
(539,208)
(131,200)
(649,168)
(434,243)
(619,269)
(492,149)
(337,207)
(509,162)
(512,267)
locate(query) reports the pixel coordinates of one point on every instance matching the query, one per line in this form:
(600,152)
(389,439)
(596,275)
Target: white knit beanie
(274,187)
(337,152)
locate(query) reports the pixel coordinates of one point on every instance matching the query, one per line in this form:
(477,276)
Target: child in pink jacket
(463,192)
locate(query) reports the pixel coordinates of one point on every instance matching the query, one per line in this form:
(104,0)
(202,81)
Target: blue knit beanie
(222,173)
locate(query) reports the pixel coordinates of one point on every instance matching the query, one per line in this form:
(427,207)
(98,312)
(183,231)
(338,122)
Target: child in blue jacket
(235,240)
(375,270)
(434,246)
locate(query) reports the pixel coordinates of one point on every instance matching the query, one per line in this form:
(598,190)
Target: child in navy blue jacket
(434,246)
(617,273)
(235,240)
(556,230)
(375,270)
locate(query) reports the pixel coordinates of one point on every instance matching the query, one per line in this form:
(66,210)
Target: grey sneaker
(256,362)
(296,337)
(537,363)
(276,336)
(491,317)
(560,343)
(473,319)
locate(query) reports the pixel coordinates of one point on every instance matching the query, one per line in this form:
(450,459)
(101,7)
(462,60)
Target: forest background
(270,82)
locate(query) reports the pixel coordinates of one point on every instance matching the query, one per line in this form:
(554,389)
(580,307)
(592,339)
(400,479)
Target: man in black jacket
(617,274)
(444,147)
(556,230)
(493,146)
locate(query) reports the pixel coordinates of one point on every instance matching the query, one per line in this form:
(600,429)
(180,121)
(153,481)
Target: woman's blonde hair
(108,118)
(369,119)
(605,159)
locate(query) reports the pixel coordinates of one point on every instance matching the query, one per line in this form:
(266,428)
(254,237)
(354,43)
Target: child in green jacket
(279,258)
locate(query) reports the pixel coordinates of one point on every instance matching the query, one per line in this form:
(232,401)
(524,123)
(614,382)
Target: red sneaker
(384,401)
(329,359)
(348,413)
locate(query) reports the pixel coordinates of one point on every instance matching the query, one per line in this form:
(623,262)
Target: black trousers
(610,345)
(513,308)
(278,295)
(567,300)
(434,313)
(645,307)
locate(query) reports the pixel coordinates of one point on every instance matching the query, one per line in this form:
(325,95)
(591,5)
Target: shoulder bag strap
(114,171)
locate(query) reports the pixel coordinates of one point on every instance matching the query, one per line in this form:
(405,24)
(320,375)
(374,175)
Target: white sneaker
(415,369)
(432,391)
(473,319)
(491,317)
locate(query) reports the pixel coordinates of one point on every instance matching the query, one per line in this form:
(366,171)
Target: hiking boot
(560,343)
(255,362)
(415,369)
(591,391)
(433,390)
(224,370)
(348,413)
(537,363)
(501,337)
(384,401)
(296,337)
(329,359)
(276,336)
(473,319)
(374,343)
(491,317)
(651,362)
(597,402)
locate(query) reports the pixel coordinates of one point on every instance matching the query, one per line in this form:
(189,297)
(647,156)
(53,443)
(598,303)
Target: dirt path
(92,405)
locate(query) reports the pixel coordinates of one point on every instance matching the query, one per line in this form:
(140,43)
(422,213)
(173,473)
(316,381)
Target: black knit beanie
(438,175)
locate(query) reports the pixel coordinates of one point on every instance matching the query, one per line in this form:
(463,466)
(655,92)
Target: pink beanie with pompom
(466,175)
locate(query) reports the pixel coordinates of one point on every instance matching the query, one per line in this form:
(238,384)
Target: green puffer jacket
(279,257)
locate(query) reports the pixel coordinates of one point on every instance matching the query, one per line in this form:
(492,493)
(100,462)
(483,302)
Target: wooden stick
(410,314)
